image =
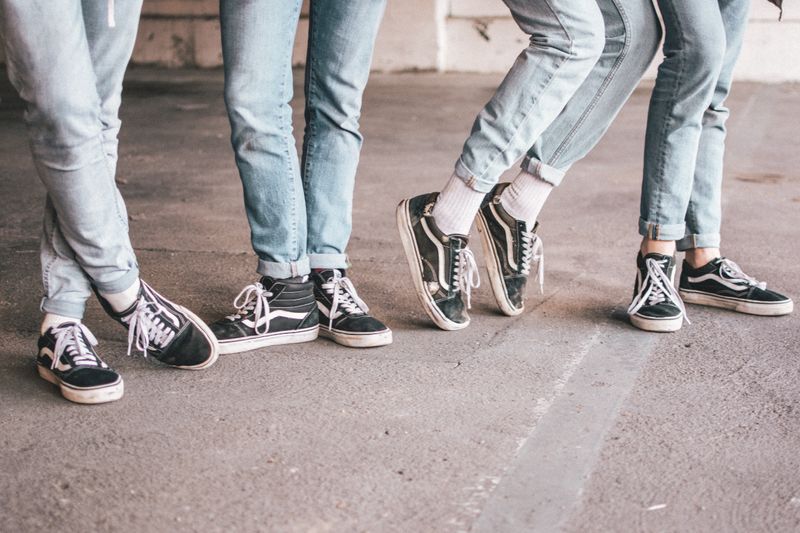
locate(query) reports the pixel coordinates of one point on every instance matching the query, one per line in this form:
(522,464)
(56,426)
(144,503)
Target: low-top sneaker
(166,331)
(344,317)
(723,283)
(442,267)
(67,358)
(268,313)
(510,247)
(656,305)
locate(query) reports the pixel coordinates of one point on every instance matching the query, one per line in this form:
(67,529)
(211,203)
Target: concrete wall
(445,35)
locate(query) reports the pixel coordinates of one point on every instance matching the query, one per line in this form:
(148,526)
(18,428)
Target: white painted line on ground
(543,486)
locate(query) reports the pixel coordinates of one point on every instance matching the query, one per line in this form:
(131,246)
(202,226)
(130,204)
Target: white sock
(456,207)
(51,319)
(525,197)
(121,301)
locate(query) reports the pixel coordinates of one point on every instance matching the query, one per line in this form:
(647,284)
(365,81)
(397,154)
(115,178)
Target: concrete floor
(564,418)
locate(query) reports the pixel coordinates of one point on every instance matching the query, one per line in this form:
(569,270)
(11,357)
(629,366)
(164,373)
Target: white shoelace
(533,251)
(148,324)
(344,296)
(70,339)
(465,273)
(253,298)
(659,288)
(738,276)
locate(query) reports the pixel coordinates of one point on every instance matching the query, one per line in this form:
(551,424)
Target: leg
(704,213)
(694,50)
(566,40)
(257,41)
(52,69)
(341,40)
(633,35)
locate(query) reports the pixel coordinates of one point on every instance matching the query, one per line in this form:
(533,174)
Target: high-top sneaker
(656,305)
(67,358)
(442,267)
(269,312)
(722,283)
(509,246)
(162,329)
(343,316)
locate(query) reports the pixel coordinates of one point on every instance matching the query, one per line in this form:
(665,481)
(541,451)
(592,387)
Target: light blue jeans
(685,142)
(567,37)
(68,65)
(633,35)
(299,210)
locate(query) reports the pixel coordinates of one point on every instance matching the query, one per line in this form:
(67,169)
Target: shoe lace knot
(253,299)
(737,275)
(150,324)
(465,273)
(656,288)
(71,341)
(344,297)
(532,252)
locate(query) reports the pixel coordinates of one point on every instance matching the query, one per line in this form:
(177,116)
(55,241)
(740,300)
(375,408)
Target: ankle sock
(51,320)
(456,207)
(525,197)
(121,301)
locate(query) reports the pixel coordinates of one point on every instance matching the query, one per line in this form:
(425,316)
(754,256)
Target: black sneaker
(510,247)
(344,317)
(656,305)
(270,312)
(164,330)
(442,267)
(67,358)
(722,283)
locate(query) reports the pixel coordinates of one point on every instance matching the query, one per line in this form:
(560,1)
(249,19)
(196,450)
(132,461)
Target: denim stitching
(593,104)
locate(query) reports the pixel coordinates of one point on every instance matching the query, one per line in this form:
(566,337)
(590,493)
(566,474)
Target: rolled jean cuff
(544,172)
(701,240)
(463,172)
(121,284)
(71,309)
(661,232)
(326,261)
(283,270)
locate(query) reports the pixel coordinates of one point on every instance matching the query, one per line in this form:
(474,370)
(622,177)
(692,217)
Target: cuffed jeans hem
(544,172)
(284,270)
(703,240)
(120,284)
(463,172)
(661,232)
(326,261)
(64,308)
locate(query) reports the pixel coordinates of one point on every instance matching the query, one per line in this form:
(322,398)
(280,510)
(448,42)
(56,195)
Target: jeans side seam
(600,92)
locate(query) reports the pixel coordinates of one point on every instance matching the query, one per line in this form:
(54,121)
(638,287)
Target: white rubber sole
(295,336)
(657,325)
(410,248)
(208,334)
(357,340)
(735,304)
(494,268)
(95,395)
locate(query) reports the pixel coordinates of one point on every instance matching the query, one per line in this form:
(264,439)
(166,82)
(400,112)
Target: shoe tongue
(268,282)
(463,239)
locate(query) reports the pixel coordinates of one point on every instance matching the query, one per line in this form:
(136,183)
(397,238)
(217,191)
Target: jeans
(685,141)
(633,34)
(566,40)
(68,65)
(299,209)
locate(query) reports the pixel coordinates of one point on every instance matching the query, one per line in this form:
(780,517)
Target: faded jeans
(68,65)
(685,142)
(299,209)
